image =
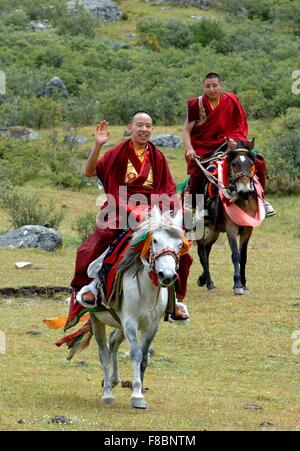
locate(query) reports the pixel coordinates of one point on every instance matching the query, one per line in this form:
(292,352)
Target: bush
(20,161)
(85,225)
(63,165)
(283,156)
(29,209)
(156,34)
(261,9)
(211,33)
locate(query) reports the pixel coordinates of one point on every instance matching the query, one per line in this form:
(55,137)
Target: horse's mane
(151,223)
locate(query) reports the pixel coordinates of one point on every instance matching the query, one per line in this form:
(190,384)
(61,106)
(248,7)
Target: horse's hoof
(107,400)
(139,403)
(238,291)
(211,288)
(201,281)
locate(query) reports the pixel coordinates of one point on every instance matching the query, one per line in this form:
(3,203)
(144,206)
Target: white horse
(143,304)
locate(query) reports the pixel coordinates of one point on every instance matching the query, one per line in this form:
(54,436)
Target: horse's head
(242,168)
(167,244)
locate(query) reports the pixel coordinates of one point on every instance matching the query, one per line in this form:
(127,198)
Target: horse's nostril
(160,274)
(169,280)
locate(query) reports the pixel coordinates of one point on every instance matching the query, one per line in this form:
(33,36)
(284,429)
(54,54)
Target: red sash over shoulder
(228,119)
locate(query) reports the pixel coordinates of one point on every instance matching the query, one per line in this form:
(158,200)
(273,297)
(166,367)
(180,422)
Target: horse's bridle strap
(165,251)
(242,174)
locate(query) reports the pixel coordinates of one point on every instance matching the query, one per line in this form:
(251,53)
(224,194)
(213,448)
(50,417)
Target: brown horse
(241,163)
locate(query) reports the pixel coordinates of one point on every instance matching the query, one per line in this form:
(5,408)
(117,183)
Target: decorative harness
(219,155)
(153,256)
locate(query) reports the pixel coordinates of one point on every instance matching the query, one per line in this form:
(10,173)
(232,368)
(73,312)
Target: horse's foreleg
(146,340)
(130,332)
(115,339)
(235,256)
(100,336)
(244,240)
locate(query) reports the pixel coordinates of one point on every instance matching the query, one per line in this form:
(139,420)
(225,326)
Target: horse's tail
(78,340)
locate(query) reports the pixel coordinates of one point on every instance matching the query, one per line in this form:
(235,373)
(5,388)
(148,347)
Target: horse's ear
(231,155)
(179,218)
(252,144)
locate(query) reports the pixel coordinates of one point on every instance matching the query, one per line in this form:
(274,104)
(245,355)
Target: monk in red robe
(211,119)
(140,167)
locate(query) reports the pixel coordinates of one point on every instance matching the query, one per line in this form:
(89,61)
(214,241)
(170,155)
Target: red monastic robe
(111,170)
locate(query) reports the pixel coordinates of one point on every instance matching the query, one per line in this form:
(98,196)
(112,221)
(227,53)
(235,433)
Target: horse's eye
(233,164)
(154,240)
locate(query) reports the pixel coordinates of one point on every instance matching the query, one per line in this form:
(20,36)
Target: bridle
(241,174)
(153,256)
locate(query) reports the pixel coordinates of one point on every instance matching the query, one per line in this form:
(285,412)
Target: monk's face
(140,129)
(212,88)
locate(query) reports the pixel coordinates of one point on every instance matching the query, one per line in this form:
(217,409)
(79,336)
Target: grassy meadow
(232,367)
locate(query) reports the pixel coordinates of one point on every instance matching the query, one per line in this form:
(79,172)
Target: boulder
(166,141)
(32,236)
(55,85)
(102,10)
(19,132)
(40,25)
(76,139)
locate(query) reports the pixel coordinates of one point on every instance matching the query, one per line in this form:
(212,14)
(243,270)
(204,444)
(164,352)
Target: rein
(218,155)
(141,297)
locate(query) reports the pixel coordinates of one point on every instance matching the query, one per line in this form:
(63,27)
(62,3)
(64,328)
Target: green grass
(236,350)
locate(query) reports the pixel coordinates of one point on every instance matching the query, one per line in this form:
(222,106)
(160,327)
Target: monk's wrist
(97,147)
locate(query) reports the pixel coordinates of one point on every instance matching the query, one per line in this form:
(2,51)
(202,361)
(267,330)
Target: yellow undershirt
(131,172)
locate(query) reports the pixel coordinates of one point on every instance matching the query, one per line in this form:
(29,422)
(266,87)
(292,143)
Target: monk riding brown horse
(244,194)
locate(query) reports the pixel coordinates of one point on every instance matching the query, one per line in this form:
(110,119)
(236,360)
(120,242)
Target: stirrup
(183,317)
(92,287)
(269,209)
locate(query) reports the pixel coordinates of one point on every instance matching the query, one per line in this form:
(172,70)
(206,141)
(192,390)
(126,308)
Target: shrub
(283,156)
(85,225)
(19,160)
(211,33)
(25,209)
(156,34)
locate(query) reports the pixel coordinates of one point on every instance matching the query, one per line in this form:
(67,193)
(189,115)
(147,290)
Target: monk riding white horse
(143,304)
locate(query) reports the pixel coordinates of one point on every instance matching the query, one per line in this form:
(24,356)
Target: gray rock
(19,132)
(40,25)
(76,139)
(166,141)
(129,35)
(32,236)
(54,85)
(198,17)
(102,10)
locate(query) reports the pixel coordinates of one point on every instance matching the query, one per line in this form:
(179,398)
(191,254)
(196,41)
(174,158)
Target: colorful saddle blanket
(107,277)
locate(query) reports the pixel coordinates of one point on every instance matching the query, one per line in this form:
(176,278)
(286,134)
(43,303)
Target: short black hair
(139,112)
(212,75)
